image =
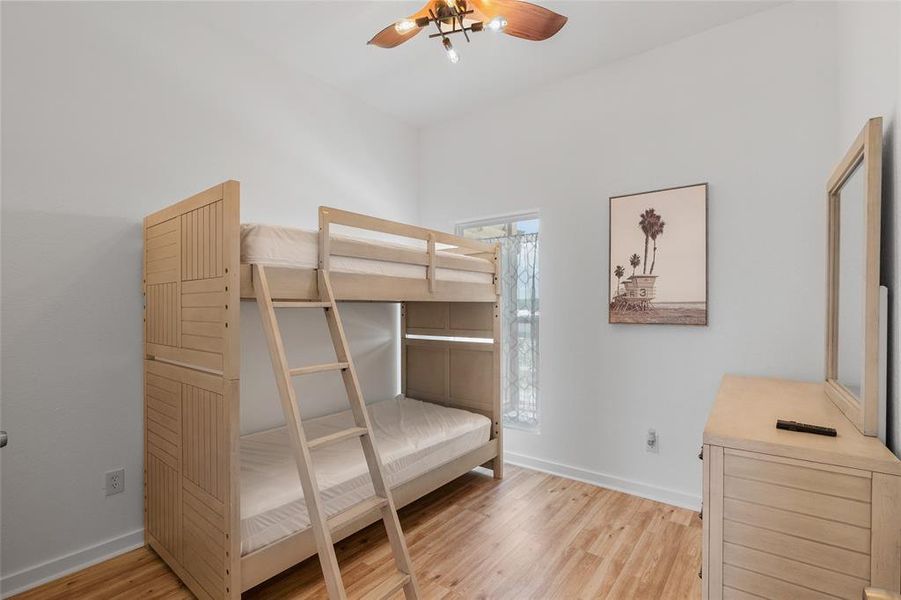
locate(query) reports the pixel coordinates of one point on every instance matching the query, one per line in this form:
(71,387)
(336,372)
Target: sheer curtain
(519,324)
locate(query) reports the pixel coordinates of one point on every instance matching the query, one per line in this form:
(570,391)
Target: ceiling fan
(450,17)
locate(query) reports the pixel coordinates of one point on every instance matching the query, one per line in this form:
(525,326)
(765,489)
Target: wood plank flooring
(530,535)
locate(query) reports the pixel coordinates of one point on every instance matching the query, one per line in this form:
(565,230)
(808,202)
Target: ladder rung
(292,304)
(388,587)
(340,366)
(338,436)
(356,511)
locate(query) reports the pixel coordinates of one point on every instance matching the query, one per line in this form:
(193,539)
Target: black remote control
(806,428)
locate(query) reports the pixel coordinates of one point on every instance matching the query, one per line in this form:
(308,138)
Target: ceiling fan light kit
(454,17)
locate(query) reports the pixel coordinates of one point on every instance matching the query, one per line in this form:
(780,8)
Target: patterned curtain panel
(519,322)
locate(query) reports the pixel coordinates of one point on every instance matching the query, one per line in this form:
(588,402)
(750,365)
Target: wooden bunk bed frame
(193,284)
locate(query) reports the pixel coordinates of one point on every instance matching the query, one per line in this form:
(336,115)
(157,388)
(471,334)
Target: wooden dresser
(791,515)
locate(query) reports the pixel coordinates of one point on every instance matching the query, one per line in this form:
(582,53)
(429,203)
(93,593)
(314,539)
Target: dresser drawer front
(789,523)
(823,479)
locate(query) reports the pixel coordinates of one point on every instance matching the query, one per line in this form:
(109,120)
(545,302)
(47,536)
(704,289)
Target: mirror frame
(866,152)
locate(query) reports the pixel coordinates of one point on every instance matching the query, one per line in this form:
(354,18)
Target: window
(518,236)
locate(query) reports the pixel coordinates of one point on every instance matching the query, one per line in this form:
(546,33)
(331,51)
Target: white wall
(111,111)
(749,107)
(869,63)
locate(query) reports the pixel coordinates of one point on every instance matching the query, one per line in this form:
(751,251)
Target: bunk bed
(225,511)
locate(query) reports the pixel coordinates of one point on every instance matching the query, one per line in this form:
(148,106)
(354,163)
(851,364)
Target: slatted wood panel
(161,251)
(886,549)
(793,571)
(832,508)
(763,586)
(840,560)
(163,420)
(162,503)
(191,281)
(205,424)
(794,524)
(192,507)
(813,528)
(161,275)
(203,316)
(202,237)
(162,314)
(847,483)
(192,352)
(205,543)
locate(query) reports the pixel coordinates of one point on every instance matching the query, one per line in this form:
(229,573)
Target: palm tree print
(634,260)
(656,231)
(647,223)
(618,272)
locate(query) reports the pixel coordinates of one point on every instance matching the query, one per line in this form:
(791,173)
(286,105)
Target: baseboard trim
(23,580)
(636,488)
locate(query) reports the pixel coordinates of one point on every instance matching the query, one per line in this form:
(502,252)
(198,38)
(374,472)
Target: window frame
(508,219)
(503,219)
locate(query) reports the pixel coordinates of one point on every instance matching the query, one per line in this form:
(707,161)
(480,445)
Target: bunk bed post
(497,464)
(430,271)
(403,348)
(324,239)
(191,390)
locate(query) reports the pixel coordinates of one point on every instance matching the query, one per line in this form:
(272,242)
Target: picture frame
(661,236)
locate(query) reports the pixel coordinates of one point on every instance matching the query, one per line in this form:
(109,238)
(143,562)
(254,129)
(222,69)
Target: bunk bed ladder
(324,528)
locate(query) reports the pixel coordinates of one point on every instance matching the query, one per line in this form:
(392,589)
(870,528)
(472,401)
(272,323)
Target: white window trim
(505,219)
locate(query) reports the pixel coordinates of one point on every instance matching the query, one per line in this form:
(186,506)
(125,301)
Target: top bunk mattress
(277,246)
(413,437)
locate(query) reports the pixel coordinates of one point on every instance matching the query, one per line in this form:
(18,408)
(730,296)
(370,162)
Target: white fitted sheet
(413,438)
(299,248)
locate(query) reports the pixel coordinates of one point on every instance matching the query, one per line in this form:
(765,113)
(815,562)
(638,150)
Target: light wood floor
(529,536)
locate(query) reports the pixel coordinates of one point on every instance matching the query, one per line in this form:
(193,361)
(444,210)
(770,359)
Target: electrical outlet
(651,442)
(115,482)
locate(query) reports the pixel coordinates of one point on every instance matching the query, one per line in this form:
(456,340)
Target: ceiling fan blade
(524,19)
(389,37)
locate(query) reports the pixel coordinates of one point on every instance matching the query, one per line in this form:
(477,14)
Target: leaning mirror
(852,328)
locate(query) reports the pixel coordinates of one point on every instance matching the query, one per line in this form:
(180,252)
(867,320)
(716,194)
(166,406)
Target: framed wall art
(658,257)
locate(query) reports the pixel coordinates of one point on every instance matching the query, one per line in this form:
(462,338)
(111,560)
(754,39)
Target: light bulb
(451,53)
(497,23)
(405,25)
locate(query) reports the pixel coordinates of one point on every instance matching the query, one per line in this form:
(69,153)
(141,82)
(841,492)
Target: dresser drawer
(794,528)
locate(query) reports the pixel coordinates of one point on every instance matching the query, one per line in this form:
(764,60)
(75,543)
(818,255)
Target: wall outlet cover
(115,482)
(651,444)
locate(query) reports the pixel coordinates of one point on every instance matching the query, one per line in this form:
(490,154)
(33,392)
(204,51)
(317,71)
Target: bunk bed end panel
(191,389)
(460,373)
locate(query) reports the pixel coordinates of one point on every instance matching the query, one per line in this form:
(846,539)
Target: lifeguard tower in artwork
(636,293)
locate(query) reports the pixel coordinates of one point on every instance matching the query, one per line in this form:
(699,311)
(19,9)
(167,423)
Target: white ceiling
(415,82)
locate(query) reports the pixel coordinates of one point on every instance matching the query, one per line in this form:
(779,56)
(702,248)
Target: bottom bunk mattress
(413,437)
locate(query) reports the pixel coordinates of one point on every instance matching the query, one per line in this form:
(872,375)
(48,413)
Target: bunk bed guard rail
(453,253)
